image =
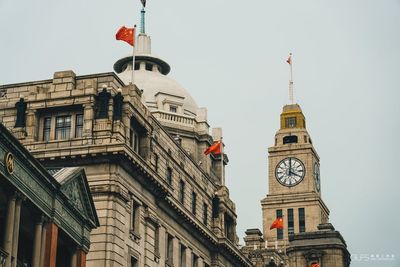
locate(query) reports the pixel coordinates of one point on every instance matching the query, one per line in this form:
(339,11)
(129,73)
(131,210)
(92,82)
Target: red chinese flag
(126,34)
(277,224)
(214,148)
(289,60)
(314,264)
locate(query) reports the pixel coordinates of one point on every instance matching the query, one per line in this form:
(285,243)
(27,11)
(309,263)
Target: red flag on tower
(289,60)
(277,224)
(126,34)
(214,148)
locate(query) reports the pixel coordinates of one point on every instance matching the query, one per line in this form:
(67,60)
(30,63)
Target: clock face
(317,177)
(290,171)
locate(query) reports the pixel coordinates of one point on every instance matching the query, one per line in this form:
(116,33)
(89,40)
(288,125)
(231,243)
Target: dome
(159,91)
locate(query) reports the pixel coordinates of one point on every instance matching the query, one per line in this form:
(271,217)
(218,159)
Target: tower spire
(291,97)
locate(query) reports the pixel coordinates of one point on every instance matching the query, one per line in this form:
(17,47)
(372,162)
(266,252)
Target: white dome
(158,87)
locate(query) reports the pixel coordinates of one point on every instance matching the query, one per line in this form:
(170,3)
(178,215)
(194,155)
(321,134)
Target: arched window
(290,139)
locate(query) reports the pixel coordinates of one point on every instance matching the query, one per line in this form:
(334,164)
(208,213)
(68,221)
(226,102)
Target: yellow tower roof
(292,117)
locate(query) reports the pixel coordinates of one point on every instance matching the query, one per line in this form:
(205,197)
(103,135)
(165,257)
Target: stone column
(51,245)
(81,257)
(74,259)
(37,244)
(43,246)
(17,217)
(8,239)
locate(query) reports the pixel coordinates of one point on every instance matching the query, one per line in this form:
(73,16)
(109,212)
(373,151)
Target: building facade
(45,216)
(294,195)
(159,199)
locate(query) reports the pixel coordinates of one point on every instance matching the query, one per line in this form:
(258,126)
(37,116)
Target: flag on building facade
(314,264)
(214,148)
(126,34)
(277,224)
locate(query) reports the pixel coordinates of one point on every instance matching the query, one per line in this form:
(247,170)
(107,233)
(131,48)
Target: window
(157,241)
(181,191)
(229,227)
(182,260)
(169,175)
(290,139)
(302,220)
(279,232)
(134,262)
(205,213)
(149,66)
(169,249)
(290,122)
(195,260)
(46,128)
(134,140)
(194,202)
(290,221)
(135,218)
(156,162)
(305,139)
(63,127)
(173,109)
(79,125)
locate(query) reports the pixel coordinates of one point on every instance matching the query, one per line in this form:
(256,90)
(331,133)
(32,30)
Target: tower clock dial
(290,171)
(317,177)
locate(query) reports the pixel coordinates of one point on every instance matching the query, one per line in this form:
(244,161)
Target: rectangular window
(290,221)
(205,213)
(194,202)
(63,127)
(46,128)
(169,175)
(134,140)
(279,232)
(302,220)
(173,109)
(181,191)
(79,125)
(182,261)
(290,122)
(135,217)
(157,241)
(134,262)
(169,249)
(156,162)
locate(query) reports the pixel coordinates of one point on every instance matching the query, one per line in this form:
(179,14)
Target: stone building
(45,216)
(295,195)
(159,199)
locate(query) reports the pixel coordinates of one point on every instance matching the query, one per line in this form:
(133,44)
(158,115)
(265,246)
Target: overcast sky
(230,55)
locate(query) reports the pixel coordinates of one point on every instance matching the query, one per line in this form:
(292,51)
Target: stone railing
(174,118)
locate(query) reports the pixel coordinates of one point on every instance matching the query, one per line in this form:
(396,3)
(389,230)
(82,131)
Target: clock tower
(294,181)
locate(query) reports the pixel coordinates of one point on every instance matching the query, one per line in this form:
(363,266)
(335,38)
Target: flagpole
(222,163)
(133,56)
(291,98)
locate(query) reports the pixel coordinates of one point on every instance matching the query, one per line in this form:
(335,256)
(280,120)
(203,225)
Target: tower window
(290,122)
(279,232)
(290,139)
(290,221)
(302,220)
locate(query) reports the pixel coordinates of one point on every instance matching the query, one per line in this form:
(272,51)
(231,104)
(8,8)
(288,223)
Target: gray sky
(230,55)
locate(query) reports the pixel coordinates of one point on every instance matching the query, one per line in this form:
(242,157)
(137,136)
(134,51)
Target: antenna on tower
(142,17)
(291,97)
